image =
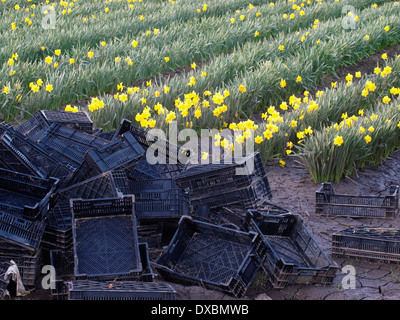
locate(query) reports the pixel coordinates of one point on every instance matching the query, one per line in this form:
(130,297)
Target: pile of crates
(88,203)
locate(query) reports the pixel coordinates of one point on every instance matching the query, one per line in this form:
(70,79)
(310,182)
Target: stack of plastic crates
(293,256)
(220,258)
(331,204)
(158,198)
(370,244)
(121,154)
(163,149)
(26,196)
(239,180)
(20,241)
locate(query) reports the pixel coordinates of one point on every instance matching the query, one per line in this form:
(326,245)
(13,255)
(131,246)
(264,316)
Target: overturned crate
(121,154)
(41,120)
(332,204)
(69,145)
(370,244)
(20,231)
(26,196)
(220,258)
(25,156)
(34,127)
(293,256)
(105,239)
(119,290)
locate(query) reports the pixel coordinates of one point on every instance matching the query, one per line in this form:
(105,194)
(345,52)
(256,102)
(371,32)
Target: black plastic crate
(41,120)
(5,126)
(107,135)
(158,198)
(20,231)
(146,171)
(331,204)
(58,231)
(119,290)
(105,238)
(249,197)
(20,154)
(60,290)
(164,150)
(120,154)
(123,127)
(25,195)
(236,215)
(370,244)
(229,174)
(63,263)
(15,249)
(146,275)
(58,228)
(104,185)
(206,214)
(217,257)
(69,145)
(293,256)
(34,127)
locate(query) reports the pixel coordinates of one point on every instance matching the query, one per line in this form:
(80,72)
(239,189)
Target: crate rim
(277,257)
(253,236)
